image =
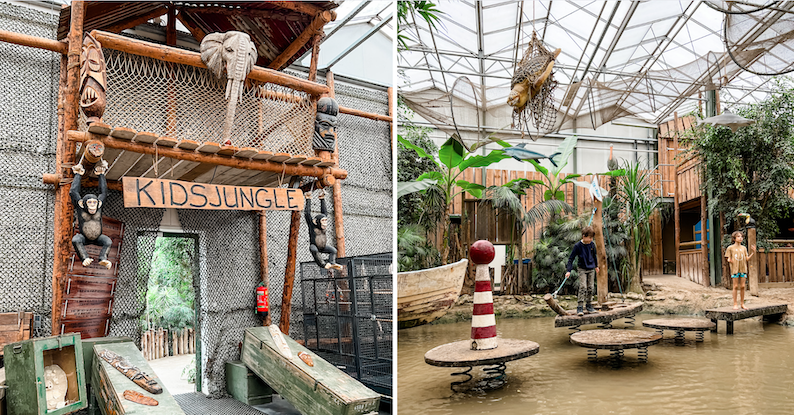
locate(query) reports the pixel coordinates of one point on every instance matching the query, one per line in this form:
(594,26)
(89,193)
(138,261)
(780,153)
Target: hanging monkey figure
(318,242)
(89,216)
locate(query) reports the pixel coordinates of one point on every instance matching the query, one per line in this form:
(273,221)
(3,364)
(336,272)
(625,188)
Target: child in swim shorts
(737,257)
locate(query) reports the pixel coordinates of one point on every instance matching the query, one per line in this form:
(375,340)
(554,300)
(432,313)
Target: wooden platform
(600,317)
(616,341)
(459,354)
(680,325)
(729,315)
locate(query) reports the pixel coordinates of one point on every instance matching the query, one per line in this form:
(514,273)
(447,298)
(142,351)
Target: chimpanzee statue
(318,242)
(89,216)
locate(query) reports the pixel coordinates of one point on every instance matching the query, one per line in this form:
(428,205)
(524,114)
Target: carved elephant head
(232,51)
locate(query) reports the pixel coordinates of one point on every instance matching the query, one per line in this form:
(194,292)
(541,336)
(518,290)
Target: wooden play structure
(172,141)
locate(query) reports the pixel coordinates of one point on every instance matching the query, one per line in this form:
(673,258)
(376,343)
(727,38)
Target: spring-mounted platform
(629,320)
(642,354)
(462,373)
(699,336)
(495,376)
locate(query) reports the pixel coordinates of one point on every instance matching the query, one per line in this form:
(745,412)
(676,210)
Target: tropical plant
(452,161)
(552,252)
(425,209)
(751,170)
(414,252)
(637,204)
(406,12)
(615,235)
(170,296)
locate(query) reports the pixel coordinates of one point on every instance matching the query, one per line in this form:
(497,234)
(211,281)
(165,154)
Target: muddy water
(750,372)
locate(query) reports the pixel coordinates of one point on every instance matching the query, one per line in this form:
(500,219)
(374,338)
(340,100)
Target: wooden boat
(427,294)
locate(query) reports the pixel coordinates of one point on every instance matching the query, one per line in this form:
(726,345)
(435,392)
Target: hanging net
(540,106)
(761,41)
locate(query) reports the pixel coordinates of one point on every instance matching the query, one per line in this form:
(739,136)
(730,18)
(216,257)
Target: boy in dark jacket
(585,250)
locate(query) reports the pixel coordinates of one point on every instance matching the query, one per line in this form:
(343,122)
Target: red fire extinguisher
(262,305)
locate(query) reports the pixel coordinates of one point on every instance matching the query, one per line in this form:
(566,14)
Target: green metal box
(245,386)
(88,352)
(321,389)
(109,384)
(25,362)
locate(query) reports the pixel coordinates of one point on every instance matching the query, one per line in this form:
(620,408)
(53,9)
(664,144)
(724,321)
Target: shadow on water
(749,372)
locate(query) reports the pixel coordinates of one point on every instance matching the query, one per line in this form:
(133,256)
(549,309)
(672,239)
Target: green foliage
(170,296)
(406,12)
(637,203)
(751,170)
(552,252)
(189,371)
(414,252)
(615,238)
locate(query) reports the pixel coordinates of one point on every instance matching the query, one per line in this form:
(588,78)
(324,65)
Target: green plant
(406,12)
(751,170)
(637,204)
(552,252)
(413,250)
(189,371)
(170,297)
(451,162)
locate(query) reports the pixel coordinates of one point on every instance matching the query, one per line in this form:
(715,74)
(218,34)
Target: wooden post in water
(676,215)
(703,235)
(602,277)
(752,264)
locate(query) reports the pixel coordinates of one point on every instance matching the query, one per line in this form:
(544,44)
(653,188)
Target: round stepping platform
(459,354)
(612,339)
(616,341)
(683,324)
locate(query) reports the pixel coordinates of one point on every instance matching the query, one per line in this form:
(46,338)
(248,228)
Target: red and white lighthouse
(483,321)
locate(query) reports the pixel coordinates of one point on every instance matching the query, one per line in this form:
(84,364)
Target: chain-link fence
(228,268)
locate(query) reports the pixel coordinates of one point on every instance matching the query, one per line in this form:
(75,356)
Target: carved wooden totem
(93,80)
(325,124)
(235,52)
(134,373)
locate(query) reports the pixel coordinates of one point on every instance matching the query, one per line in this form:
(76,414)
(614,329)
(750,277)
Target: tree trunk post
(752,263)
(603,275)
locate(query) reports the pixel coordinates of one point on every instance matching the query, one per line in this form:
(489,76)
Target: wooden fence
(157,343)
(776,268)
(691,263)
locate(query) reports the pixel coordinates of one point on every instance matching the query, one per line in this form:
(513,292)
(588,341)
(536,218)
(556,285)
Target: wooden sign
(157,193)
(95,327)
(78,287)
(87,308)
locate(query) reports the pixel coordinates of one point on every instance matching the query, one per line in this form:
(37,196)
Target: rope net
(186,102)
(762,41)
(540,109)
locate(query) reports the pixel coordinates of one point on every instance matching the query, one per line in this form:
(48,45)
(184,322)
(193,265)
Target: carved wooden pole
(603,276)
(703,234)
(289,275)
(62,226)
(315,57)
(264,266)
(676,214)
(753,262)
(339,227)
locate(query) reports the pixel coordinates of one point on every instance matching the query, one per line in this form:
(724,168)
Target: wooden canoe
(427,294)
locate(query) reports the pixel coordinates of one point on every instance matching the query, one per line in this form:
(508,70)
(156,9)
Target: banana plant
(553,182)
(452,161)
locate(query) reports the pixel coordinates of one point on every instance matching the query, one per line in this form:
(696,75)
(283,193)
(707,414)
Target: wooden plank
(321,389)
(82,287)
(159,193)
(110,384)
(763,277)
(779,267)
(166,141)
(80,309)
(145,137)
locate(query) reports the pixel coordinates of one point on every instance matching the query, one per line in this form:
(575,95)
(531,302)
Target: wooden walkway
(600,317)
(730,315)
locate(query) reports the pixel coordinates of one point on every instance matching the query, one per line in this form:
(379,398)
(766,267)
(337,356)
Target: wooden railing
(776,266)
(691,263)
(157,343)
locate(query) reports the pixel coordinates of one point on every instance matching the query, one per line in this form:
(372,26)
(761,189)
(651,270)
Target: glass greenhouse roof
(639,58)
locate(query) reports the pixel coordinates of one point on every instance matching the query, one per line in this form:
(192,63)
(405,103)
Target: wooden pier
(730,315)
